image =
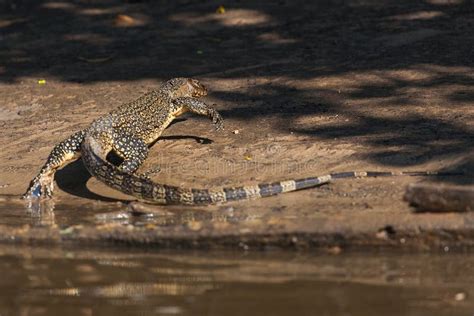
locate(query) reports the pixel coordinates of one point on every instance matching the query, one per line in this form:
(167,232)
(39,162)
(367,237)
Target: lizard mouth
(200,93)
(199,90)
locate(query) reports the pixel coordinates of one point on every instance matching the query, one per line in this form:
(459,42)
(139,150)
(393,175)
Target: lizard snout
(201,92)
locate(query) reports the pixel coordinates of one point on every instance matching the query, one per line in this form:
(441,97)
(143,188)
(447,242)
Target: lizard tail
(152,192)
(149,191)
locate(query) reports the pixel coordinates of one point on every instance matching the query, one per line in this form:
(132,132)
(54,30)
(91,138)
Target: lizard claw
(217,120)
(41,187)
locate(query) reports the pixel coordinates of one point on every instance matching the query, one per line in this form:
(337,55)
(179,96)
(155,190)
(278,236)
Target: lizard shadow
(74,176)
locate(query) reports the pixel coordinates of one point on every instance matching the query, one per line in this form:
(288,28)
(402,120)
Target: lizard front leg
(201,108)
(64,152)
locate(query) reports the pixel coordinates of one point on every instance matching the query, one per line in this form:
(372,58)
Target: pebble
(461,296)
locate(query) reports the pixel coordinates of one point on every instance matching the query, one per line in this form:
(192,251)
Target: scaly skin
(132,127)
(128,130)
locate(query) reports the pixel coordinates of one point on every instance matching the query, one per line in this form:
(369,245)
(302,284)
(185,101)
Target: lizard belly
(156,133)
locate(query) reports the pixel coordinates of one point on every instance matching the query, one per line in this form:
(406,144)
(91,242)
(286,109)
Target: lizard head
(185,87)
(197,89)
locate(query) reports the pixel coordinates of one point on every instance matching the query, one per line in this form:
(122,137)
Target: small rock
(334,250)
(220,225)
(195,225)
(382,234)
(461,296)
(243,246)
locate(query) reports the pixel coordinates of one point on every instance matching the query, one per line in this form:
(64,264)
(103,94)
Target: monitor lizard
(133,127)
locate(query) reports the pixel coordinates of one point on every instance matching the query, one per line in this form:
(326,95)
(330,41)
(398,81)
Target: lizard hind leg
(64,152)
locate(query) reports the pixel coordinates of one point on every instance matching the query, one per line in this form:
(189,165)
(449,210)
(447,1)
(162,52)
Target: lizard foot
(216,119)
(41,187)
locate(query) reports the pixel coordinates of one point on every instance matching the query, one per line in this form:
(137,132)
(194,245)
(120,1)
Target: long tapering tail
(152,192)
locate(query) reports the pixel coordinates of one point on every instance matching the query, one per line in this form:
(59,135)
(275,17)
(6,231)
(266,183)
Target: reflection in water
(35,212)
(55,280)
(41,212)
(138,290)
(139,214)
(48,212)
(46,281)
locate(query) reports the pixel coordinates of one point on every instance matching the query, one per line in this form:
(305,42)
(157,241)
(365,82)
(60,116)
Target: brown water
(62,281)
(67,280)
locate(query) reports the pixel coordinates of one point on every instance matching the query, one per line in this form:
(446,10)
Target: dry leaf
(124,20)
(95,60)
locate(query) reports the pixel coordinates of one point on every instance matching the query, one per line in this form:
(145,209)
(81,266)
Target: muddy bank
(227,228)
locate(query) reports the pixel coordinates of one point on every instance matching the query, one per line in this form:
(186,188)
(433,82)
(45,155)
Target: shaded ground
(312,88)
